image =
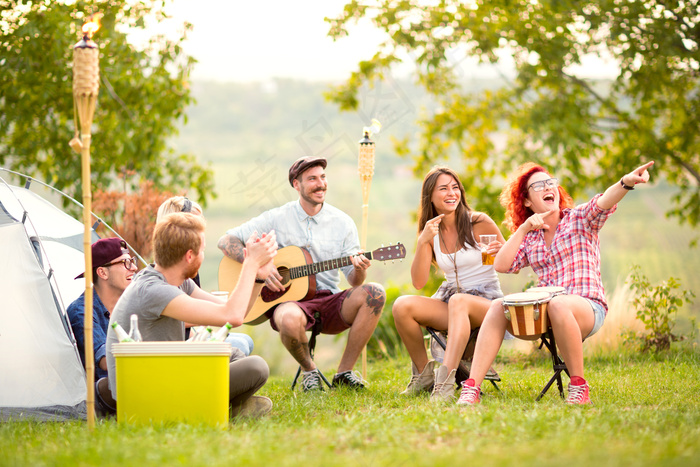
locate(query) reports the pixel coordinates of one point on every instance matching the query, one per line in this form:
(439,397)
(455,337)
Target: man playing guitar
(326,233)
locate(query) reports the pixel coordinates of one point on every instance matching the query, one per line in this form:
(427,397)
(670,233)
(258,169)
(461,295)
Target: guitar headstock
(390,252)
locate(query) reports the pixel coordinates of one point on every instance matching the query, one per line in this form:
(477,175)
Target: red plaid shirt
(573,259)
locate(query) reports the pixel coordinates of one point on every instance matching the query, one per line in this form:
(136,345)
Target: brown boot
(444,390)
(253,407)
(422,381)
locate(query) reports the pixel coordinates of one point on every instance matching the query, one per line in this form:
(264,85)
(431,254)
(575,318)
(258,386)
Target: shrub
(657,308)
(132,215)
(386,342)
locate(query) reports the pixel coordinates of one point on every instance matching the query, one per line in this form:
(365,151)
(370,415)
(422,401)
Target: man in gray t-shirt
(164,297)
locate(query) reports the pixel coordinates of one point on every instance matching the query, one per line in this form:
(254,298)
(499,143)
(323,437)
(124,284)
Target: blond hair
(178,204)
(174,235)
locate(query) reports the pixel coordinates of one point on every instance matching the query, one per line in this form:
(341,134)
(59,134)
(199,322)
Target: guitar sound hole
(268,295)
(285,273)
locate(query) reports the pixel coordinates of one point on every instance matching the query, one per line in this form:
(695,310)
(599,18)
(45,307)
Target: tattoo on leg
(350,292)
(300,352)
(375,298)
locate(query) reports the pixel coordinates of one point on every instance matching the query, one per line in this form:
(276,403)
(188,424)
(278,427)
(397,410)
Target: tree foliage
(143,96)
(589,132)
(132,215)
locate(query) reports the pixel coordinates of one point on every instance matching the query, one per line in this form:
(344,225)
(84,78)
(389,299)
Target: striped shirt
(573,259)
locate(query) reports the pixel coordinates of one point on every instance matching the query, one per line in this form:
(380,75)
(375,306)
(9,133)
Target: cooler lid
(171,348)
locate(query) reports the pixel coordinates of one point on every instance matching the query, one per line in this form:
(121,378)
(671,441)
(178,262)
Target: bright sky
(258,40)
(261,40)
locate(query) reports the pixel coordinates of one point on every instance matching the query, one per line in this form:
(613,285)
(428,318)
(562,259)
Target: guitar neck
(322,266)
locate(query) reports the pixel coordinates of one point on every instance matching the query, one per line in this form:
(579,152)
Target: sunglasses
(539,186)
(128,263)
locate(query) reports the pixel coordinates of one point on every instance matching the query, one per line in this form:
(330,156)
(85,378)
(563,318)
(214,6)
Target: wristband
(259,281)
(625,186)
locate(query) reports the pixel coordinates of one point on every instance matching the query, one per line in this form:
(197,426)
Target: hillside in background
(250,134)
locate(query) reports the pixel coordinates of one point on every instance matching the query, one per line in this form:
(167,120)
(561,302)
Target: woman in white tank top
(447,229)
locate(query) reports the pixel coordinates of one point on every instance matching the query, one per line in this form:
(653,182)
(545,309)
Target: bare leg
(410,313)
(465,313)
(362,309)
(571,317)
(489,341)
(291,322)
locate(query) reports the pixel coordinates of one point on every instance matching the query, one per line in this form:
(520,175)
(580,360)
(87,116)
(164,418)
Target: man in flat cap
(327,234)
(113,268)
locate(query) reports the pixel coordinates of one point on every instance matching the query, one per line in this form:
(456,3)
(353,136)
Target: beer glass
(485,240)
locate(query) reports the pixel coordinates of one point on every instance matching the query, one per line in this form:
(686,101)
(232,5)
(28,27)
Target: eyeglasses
(128,263)
(539,186)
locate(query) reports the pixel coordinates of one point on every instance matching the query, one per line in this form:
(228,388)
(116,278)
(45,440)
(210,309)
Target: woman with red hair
(560,243)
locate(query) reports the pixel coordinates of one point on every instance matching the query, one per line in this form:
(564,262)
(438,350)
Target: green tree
(143,96)
(589,132)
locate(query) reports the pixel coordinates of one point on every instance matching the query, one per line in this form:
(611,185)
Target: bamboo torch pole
(86,77)
(366,171)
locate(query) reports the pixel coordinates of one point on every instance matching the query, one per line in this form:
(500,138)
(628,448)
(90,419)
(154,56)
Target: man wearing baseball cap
(327,234)
(112,270)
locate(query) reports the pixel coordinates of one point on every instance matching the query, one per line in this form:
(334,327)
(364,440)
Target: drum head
(526,298)
(553,289)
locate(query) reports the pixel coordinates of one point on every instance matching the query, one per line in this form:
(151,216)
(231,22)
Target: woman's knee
(399,308)
(403,308)
(495,315)
(458,303)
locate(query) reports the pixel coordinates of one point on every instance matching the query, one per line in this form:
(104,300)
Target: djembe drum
(553,290)
(526,313)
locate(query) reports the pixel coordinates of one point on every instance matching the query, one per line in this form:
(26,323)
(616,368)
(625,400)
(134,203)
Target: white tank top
(468,260)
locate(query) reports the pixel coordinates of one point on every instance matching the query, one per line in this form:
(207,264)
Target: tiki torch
(86,83)
(365,168)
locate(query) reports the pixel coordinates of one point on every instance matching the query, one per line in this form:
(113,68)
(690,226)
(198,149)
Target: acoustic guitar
(298,271)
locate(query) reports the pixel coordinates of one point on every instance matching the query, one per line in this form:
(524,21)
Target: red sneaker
(578,395)
(471,395)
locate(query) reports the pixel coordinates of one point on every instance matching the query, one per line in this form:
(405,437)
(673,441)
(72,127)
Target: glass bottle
(121,333)
(134,332)
(222,333)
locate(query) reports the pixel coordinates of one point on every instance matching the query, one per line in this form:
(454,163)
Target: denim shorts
(598,315)
(487,290)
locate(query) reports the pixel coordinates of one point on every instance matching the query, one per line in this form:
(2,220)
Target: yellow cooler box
(172,382)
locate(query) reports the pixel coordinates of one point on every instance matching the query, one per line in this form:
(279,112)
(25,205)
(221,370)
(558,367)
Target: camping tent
(41,375)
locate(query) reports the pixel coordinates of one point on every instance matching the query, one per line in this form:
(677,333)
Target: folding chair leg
(558,365)
(325,380)
(315,331)
(556,377)
(296,377)
(460,367)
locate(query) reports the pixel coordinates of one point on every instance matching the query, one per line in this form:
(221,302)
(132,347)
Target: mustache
(318,190)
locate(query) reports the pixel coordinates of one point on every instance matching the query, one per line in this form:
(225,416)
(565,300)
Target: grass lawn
(645,412)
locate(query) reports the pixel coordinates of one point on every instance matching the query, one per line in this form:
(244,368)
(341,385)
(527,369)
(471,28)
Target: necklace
(452,256)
